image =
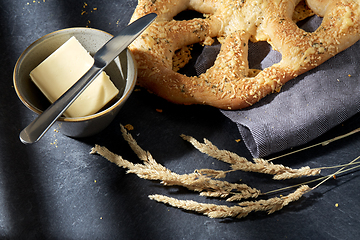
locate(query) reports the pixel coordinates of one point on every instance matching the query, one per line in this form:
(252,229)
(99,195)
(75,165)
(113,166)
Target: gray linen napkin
(306,106)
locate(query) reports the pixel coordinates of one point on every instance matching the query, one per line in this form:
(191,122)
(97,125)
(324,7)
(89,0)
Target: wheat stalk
(259,165)
(324,178)
(324,143)
(241,210)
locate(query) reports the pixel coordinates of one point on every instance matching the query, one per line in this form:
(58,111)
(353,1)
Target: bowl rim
(124,96)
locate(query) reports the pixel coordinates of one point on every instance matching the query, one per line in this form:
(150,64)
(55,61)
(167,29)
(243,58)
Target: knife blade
(37,128)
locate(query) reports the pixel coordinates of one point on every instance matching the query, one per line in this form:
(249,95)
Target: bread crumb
(237,140)
(55,143)
(159,110)
(129,127)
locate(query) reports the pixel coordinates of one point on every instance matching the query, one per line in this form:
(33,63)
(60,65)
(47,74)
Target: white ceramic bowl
(122,72)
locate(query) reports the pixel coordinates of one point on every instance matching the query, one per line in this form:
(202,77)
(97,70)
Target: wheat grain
(212,173)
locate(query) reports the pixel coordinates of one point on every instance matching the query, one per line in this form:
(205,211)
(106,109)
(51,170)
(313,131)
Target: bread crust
(229,83)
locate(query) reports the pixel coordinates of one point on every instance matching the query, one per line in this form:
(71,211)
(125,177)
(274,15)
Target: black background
(55,189)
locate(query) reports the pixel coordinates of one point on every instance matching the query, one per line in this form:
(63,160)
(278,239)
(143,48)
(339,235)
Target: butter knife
(36,129)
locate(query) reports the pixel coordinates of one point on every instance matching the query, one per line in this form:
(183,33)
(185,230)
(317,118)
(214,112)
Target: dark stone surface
(55,189)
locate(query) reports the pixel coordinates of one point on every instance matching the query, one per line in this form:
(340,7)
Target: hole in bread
(305,18)
(185,59)
(310,24)
(184,64)
(188,15)
(301,12)
(202,58)
(261,55)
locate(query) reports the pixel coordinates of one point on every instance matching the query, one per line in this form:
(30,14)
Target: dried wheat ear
(205,180)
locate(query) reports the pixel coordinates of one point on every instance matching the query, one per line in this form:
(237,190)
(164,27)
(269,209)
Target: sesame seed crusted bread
(229,83)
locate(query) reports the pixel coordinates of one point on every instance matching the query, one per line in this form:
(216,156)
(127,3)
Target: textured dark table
(55,189)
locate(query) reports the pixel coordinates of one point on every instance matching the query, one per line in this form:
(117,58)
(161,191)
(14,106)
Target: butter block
(58,72)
